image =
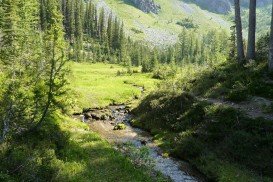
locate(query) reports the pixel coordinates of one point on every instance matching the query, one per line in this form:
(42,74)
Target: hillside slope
(162,28)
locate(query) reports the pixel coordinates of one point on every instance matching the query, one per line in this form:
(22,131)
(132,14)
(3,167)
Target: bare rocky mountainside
(146,6)
(223,6)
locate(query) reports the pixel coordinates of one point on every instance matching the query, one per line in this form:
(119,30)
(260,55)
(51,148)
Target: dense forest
(72,77)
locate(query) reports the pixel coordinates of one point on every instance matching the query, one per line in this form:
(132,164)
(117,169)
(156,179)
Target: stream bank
(103,122)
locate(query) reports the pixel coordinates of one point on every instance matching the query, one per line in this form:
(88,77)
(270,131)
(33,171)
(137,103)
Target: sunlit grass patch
(98,85)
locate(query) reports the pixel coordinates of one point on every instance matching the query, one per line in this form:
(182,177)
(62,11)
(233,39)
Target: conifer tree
(71,21)
(21,62)
(54,55)
(110,30)
(102,28)
(116,35)
(78,30)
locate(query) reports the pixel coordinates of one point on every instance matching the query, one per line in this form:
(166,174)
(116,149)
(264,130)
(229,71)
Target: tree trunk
(251,30)
(270,60)
(239,34)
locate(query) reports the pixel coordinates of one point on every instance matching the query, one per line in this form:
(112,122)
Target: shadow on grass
(232,82)
(206,134)
(65,151)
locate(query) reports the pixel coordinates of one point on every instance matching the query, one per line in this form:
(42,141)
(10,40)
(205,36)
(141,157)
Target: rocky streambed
(106,121)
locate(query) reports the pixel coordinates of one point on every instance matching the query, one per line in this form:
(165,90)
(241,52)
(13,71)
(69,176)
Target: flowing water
(176,170)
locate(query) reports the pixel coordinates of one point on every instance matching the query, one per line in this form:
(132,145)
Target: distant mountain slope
(224,6)
(263,19)
(162,28)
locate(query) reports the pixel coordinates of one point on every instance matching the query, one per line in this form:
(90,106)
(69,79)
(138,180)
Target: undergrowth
(223,143)
(228,81)
(65,150)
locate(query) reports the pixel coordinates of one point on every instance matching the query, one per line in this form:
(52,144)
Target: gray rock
(216,6)
(147,6)
(95,116)
(104,117)
(87,115)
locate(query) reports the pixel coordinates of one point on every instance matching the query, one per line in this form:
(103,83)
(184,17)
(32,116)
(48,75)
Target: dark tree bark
(270,60)
(251,30)
(239,34)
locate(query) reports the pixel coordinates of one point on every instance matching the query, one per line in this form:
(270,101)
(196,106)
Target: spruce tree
(110,30)
(102,25)
(54,53)
(21,66)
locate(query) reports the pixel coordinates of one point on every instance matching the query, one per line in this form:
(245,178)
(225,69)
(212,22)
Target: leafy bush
(164,72)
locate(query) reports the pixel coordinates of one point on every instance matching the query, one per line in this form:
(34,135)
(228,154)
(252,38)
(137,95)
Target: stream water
(176,170)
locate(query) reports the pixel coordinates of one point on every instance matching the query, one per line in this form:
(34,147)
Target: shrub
(137,31)
(189,148)
(263,47)
(187,23)
(164,72)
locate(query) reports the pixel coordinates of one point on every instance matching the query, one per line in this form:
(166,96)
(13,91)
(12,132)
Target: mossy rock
(120,126)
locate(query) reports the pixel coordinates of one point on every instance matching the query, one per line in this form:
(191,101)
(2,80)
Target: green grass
(230,81)
(66,150)
(97,85)
(221,142)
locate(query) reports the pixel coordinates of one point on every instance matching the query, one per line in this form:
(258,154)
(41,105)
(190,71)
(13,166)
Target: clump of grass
(120,126)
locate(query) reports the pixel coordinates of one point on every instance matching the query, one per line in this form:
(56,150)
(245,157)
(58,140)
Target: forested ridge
(83,100)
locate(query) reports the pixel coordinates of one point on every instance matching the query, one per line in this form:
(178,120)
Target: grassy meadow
(71,151)
(98,85)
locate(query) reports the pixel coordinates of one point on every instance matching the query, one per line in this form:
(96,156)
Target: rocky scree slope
(146,6)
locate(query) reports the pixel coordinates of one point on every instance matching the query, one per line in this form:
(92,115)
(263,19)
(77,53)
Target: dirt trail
(254,108)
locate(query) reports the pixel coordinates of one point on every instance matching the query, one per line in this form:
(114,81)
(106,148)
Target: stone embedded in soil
(87,115)
(95,116)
